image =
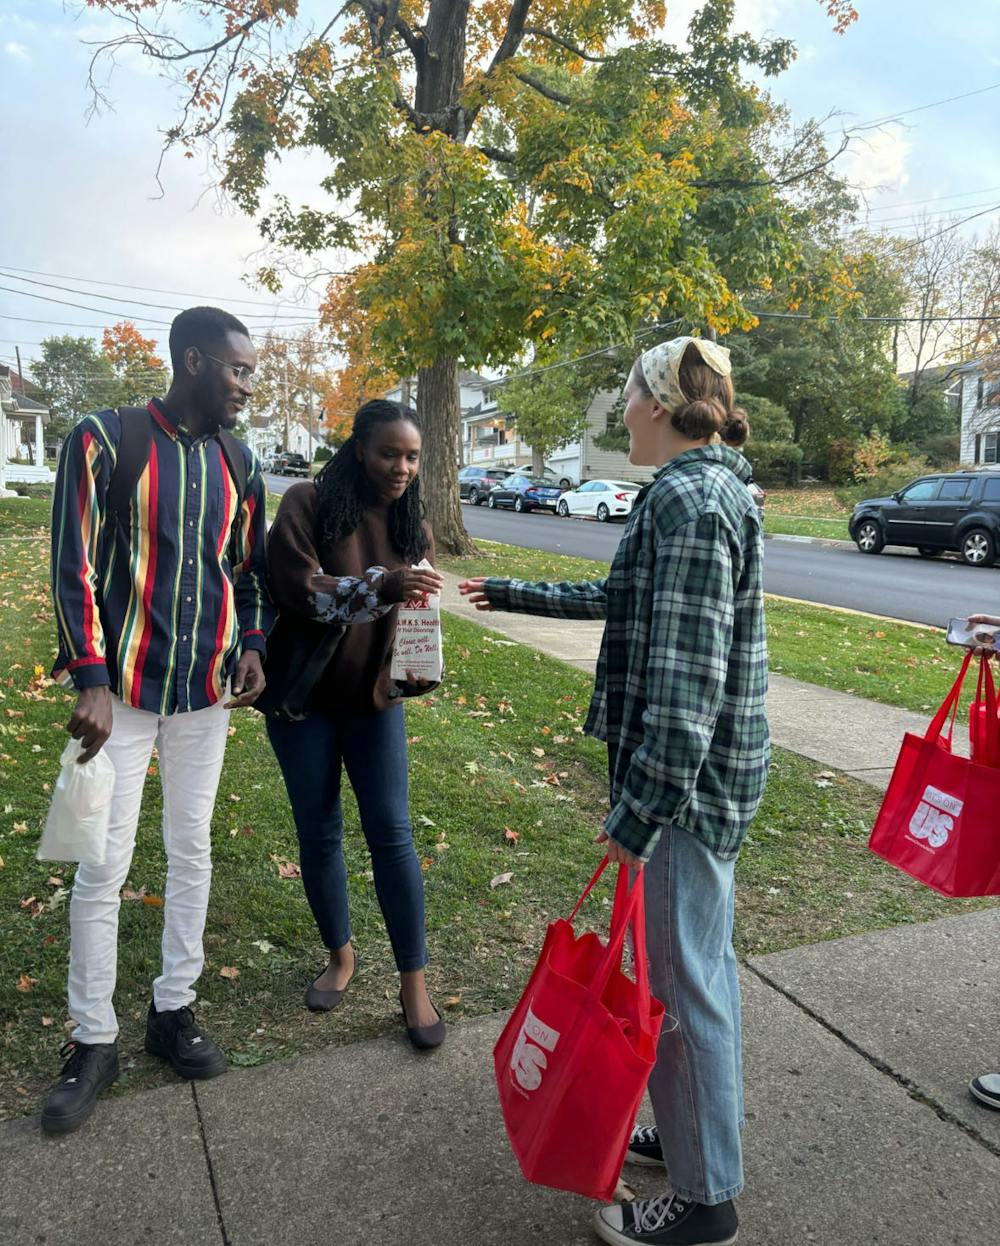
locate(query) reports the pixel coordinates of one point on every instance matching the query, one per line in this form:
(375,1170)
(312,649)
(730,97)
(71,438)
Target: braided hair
(343,492)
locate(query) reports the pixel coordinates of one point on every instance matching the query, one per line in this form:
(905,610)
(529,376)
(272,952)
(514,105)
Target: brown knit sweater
(355,583)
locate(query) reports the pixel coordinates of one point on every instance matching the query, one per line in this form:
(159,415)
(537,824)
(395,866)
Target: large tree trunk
(439,415)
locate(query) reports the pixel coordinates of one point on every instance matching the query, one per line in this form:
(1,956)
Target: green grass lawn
(506,796)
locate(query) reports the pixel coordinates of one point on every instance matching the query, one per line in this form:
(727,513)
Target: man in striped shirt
(162,613)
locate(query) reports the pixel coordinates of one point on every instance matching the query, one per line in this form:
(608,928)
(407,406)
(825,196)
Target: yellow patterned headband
(661,366)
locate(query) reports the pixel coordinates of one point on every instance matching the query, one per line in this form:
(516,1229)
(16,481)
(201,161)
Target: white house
(979,402)
(22,438)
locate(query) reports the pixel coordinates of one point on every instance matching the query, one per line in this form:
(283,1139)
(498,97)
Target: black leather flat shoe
(423,1037)
(326,1001)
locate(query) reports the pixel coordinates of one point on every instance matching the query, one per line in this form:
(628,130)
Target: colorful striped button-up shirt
(682,674)
(159,610)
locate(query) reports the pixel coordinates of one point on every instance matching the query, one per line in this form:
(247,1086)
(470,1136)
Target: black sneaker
(667,1221)
(986,1089)
(175,1036)
(91,1068)
(644,1147)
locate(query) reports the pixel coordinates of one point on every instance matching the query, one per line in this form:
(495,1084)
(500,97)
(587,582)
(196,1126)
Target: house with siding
(979,404)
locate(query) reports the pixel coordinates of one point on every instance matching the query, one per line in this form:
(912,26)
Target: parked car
(604,499)
(267,463)
(475,483)
(955,511)
(560,478)
(524,493)
(291,463)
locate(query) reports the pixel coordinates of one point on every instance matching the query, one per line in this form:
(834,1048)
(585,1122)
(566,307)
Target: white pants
(191,748)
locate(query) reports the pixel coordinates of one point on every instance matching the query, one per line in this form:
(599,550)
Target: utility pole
(20,374)
(287,426)
(312,411)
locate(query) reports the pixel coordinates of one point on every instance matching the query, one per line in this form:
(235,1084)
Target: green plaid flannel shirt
(682,673)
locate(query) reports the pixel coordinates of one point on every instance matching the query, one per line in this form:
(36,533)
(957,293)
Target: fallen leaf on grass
(46,1021)
(538,752)
(1,863)
(289,869)
(498,880)
(20,828)
(263,945)
(452,1001)
(32,906)
(129,894)
(472,767)
(55,881)
(513,836)
(26,983)
(154,902)
(426,864)
(229,972)
(56,899)
(424,820)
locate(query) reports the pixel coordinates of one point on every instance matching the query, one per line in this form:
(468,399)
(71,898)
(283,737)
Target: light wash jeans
(191,748)
(696,1087)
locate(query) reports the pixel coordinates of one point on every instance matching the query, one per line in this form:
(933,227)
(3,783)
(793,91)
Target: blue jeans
(373,748)
(696,1087)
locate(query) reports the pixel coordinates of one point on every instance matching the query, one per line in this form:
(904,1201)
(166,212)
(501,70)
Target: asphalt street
(897,583)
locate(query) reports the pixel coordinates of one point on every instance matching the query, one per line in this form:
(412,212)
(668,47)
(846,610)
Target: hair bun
(700,418)
(736,429)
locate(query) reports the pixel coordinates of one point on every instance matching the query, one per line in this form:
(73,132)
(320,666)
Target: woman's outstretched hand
(473,589)
(617,855)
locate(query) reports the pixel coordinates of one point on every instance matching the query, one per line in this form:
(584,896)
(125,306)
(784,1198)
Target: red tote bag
(573,1060)
(940,819)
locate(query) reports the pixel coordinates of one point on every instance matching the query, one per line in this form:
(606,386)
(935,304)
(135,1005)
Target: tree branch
(497,153)
(557,97)
(539,33)
(512,36)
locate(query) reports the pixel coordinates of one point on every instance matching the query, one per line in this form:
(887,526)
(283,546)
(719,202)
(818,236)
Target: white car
(604,499)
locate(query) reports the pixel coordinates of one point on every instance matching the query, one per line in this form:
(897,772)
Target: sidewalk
(859,1126)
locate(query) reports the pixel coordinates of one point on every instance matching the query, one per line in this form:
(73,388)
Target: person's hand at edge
(90,722)
(473,589)
(248,681)
(618,855)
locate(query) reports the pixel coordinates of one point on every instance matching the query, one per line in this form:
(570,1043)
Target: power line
(915,203)
(9,276)
(927,216)
(156,290)
(907,112)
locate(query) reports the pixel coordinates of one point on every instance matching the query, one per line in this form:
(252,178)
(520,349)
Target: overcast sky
(78,199)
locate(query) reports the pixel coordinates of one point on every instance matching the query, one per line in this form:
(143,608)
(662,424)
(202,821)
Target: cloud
(878,159)
(17,50)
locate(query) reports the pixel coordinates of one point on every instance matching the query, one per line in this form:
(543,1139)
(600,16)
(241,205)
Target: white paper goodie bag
(77,826)
(418,646)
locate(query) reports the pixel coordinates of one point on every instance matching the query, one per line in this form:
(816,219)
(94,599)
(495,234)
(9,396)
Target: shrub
(322,454)
(840,453)
(893,476)
(942,451)
(775,462)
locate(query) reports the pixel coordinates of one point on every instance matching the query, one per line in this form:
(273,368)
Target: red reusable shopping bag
(940,819)
(573,1060)
(984,729)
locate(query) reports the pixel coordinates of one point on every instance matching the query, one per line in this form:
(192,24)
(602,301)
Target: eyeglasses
(243,374)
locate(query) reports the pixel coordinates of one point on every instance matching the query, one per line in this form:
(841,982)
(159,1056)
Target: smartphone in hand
(961,633)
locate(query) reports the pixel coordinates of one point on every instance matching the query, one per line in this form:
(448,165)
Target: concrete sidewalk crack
(911,1088)
(211,1169)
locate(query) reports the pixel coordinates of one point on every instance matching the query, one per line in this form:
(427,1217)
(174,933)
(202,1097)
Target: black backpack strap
(134,446)
(232,452)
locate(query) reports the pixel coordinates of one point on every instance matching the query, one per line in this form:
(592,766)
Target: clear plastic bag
(76,828)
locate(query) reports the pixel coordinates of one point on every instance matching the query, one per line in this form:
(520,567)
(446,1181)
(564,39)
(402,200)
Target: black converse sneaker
(175,1036)
(91,1068)
(986,1089)
(644,1147)
(667,1221)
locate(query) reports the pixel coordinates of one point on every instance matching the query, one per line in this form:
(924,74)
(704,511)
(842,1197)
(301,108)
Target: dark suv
(959,511)
(291,463)
(475,483)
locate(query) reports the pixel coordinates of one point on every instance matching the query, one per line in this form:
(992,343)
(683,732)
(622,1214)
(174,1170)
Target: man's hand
(473,589)
(90,722)
(617,855)
(248,682)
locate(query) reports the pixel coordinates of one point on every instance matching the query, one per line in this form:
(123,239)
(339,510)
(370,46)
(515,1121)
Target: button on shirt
(159,612)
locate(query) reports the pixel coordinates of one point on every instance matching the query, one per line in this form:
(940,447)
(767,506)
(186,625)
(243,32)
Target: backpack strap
(232,452)
(134,446)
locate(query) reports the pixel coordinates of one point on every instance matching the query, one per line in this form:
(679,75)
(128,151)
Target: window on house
(611,421)
(990,447)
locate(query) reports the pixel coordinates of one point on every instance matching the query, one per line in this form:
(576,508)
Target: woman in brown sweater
(340,559)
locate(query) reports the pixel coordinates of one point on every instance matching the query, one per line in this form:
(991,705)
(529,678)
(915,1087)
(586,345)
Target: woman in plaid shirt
(679,699)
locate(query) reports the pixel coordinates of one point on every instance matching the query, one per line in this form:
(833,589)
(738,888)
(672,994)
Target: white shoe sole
(989,1100)
(607,1234)
(643,1161)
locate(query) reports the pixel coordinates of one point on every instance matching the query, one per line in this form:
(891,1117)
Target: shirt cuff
(631,832)
(497,592)
(89,673)
(255,640)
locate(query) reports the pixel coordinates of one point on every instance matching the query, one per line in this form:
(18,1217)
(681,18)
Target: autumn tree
(138,371)
(513,174)
(75,378)
(295,383)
